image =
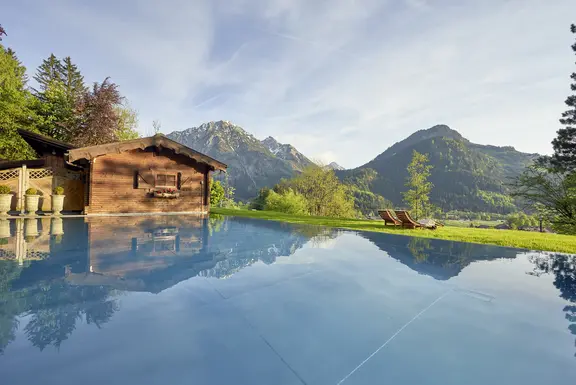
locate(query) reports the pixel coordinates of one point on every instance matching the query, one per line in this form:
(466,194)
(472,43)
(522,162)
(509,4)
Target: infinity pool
(168,300)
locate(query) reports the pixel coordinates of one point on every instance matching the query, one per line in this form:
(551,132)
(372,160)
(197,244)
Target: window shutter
(179,181)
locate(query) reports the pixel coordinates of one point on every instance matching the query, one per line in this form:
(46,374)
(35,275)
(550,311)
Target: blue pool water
(168,300)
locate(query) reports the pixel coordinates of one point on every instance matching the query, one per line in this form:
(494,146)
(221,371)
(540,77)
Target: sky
(341,80)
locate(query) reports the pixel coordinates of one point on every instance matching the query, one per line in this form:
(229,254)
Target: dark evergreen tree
(73,80)
(48,73)
(2,32)
(564,157)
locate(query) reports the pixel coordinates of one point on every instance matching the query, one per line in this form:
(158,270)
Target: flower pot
(32,204)
(4,228)
(57,204)
(56,226)
(31,228)
(5,203)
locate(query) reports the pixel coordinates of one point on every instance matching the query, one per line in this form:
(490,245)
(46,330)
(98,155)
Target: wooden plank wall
(112,183)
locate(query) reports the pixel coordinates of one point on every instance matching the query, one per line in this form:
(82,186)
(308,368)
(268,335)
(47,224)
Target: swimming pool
(221,300)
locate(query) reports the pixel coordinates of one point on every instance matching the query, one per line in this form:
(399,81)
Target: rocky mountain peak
(334,166)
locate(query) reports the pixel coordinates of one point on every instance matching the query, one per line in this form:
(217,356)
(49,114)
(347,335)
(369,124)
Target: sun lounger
(388,217)
(407,220)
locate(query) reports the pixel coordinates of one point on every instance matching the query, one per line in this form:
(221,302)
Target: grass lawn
(511,238)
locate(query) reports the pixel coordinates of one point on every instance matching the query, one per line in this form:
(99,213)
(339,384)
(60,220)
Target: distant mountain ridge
(466,176)
(252,164)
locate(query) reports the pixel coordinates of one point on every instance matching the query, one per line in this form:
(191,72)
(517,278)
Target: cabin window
(166,180)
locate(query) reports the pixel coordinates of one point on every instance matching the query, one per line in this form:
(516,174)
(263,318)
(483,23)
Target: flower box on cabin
(167,193)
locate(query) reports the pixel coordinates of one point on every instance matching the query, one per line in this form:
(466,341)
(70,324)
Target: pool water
(221,300)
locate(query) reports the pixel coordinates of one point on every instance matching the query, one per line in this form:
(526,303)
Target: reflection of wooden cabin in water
(144,254)
(114,178)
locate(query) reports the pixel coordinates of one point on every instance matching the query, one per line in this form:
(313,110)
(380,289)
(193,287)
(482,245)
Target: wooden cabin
(145,175)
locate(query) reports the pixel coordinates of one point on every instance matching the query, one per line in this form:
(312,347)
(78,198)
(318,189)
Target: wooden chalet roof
(42,144)
(158,140)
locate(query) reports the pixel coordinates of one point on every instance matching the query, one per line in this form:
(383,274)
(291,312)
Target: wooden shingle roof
(158,140)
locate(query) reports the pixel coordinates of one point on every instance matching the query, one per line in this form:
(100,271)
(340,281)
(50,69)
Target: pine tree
(48,73)
(418,195)
(564,157)
(72,79)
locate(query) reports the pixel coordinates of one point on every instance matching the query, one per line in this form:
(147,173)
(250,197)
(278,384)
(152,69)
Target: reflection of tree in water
(563,267)
(419,247)
(8,304)
(54,308)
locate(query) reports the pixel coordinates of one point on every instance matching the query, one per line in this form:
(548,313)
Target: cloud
(340,78)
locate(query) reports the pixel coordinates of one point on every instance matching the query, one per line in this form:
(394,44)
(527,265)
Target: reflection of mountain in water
(62,272)
(439,259)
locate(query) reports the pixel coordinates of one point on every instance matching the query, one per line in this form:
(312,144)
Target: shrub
(59,190)
(260,201)
(216,192)
(31,191)
(5,189)
(289,202)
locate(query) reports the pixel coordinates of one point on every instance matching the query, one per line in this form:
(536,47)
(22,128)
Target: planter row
(31,203)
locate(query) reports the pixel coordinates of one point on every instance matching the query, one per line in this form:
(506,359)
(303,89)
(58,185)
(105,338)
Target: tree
(156,126)
(60,88)
(289,202)
(323,192)
(2,32)
(97,120)
(216,192)
(15,107)
(550,191)
(564,144)
(48,74)
(72,80)
(418,195)
(127,122)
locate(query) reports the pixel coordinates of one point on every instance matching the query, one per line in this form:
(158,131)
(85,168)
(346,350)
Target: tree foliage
(216,192)
(419,188)
(15,107)
(97,120)
(324,193)
(127,122)
(319,187)
(288,202)
(564,144)
(551,191)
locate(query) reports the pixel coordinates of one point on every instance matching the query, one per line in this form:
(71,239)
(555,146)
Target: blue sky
(340,79)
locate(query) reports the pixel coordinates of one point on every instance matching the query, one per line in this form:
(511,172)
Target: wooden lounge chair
(407,220)
(387,216)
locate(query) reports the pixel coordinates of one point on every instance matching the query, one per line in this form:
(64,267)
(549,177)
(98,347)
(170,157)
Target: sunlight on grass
(510,238)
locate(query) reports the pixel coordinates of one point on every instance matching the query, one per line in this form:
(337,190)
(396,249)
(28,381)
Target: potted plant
(5,199)
(58,200)
(32,200)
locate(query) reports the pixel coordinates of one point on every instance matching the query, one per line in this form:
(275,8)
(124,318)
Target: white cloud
(342,78)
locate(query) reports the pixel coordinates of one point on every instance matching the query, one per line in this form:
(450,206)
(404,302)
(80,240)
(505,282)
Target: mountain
(288,153)
(335,166)
(466,176)
(252,164)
